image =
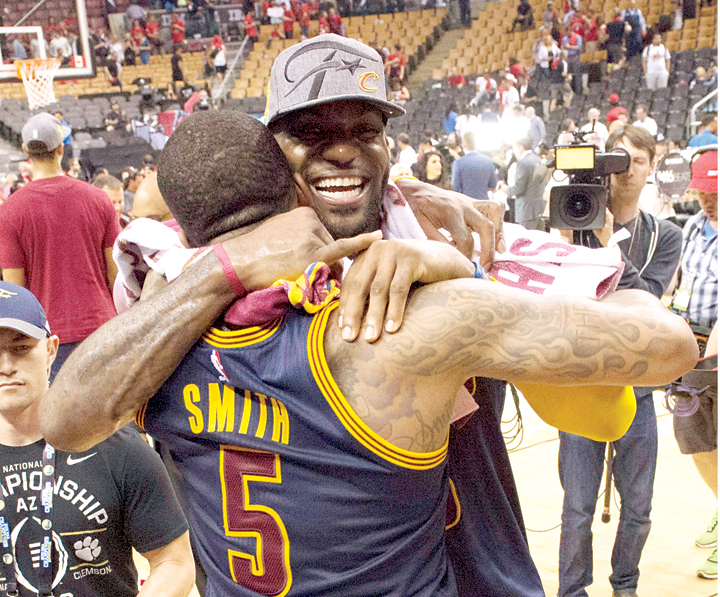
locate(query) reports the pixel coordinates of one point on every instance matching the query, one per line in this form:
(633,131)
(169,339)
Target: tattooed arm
(455,330)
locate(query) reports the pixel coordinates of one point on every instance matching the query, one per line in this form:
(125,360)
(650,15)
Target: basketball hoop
(37,75)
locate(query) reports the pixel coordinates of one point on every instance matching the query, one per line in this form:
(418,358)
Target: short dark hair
(107,181)
(223,170)
(643,106)
(526,142)
(636,136)
(404,138)
(41,155)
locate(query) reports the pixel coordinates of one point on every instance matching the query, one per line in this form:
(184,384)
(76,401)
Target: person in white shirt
(644,121)
(656,63)
(484,85)
(407,156)
(510,97)
(599,133)
(60,46)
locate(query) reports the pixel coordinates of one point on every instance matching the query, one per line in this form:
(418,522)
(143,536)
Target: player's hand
(606,231)
(383,276)
(284,245)
(436,208)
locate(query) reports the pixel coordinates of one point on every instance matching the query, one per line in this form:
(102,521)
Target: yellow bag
(602,413)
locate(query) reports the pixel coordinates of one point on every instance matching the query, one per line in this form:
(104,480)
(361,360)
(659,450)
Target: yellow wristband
(405,177)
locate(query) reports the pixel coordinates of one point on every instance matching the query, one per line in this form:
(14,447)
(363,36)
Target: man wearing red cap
(616,110)
(696,300)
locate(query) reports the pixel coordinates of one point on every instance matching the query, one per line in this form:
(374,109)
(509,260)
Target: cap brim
(23,327)
(707,185)
(388,108)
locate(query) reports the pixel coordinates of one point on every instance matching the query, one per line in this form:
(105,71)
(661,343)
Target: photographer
(651,252)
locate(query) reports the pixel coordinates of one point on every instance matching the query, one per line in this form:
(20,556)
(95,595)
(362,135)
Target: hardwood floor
(682,505)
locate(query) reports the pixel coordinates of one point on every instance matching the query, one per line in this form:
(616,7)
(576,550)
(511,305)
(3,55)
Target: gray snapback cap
(326,68)
(42,133)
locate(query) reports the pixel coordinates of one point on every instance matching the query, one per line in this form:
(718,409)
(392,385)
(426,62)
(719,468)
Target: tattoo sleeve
(486,329)
(403,385)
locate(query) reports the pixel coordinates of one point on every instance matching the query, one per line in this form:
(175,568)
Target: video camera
(581,204)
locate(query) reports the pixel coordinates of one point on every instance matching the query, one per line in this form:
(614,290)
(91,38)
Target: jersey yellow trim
(140,416)
(239,338)
(458,511)
(347,416)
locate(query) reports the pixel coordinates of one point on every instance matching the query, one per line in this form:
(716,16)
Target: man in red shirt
(266,5)
(177,29)
(323,26)
(251,28)
(314,9)
(137,31)
(56,238)
(304,20)
(456,79)
(152,31)
(288,23)
(395,64)
(335,22)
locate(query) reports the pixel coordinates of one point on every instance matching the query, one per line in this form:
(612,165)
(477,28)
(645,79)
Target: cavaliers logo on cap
(308,65)
(364,82)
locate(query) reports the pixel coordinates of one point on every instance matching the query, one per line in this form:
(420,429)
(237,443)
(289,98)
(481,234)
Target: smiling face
(340,157)
(24,369)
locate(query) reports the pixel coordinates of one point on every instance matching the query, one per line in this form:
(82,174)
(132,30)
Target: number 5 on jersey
(267,571)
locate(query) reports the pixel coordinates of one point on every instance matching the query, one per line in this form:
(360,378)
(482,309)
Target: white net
(37,76)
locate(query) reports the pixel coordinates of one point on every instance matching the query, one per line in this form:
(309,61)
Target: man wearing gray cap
(56,238)
(327,109)
(78,539)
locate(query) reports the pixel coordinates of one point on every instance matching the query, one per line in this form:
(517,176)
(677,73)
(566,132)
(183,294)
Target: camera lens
(579,208)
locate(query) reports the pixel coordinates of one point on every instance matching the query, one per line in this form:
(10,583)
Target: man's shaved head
(149,202)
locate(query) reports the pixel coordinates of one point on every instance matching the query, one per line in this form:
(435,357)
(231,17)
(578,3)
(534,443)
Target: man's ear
(183,239)
(52,347)
(304,195)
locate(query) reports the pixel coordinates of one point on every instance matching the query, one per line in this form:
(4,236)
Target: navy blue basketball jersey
(290,492)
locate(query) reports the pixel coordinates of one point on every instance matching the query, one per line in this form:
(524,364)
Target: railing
(693,123)
(221,93)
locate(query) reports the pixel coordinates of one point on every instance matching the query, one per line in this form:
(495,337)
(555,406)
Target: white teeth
(340,194)
(354,181)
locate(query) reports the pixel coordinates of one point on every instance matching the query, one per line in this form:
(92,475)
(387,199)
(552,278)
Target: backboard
(32,29)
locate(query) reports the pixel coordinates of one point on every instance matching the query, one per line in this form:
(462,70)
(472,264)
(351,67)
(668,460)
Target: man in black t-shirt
(76,540)
(616,30)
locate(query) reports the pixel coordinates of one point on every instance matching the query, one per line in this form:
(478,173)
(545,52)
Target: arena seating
(488,45)
(669,107)
(159,70)
(415,31)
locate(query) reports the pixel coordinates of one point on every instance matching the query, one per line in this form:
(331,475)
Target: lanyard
(45,574)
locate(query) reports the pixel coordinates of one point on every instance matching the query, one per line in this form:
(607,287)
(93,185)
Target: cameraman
(651,252)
